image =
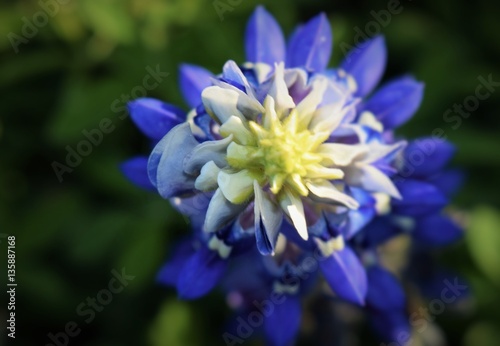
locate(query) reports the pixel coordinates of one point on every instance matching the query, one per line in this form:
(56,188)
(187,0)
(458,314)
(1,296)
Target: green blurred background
(72,234)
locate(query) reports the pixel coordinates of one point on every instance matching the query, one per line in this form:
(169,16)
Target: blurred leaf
(109,19)
(69,26)
(30,64)
(483,239)
(144,251)
(173,326)
(484,291)
(475,146)
(104,174)
(83,105)
(48,215)
(46,289)
(482,333)
(9,22)
(91,243)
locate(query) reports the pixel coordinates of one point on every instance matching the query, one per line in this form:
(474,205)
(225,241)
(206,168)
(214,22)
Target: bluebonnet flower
(426,186)
(282,161)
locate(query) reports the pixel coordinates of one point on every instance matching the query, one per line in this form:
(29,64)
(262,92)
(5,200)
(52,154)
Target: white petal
(329,117)
(267,212)
(238,155)
(307,107)
(330,246)
(270,115)
(289,289)
(235,126)
(207,151)
(335,93)
(326,190)
(236,187)
(207,180)
(296,78)
(279,90)
(348,130)
(195,129)
(293,207)
(341,155)
(218,245)
(220,212)
(248,105)
(368,119)
(322,172)
(377,151)
(221,103)
(352,84)
(370,179)
(261,70)
(382,203)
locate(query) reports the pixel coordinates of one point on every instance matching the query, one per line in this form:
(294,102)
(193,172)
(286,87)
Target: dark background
(72,234)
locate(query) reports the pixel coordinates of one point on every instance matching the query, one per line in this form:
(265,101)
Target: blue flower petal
(438,230)
(282,325)
(136,170)
(359,218)
(233,75)
(194,207)
(165,164)
(449,181)
(396,102)
(326,226)
(419,198)
(200,274)
(393,326)
(427,156)
(291,234)
(241,241)
(384,290)
(366,64)
(169,273)
(155,118)
(346,275)
(435,281)
(264,39)
(378,232)
(193,79)
(206,123)
(310,46)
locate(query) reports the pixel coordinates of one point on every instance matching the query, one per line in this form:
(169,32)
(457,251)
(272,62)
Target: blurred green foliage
(65,80)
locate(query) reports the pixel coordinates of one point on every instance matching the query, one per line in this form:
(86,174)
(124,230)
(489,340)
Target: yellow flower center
(281,153)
